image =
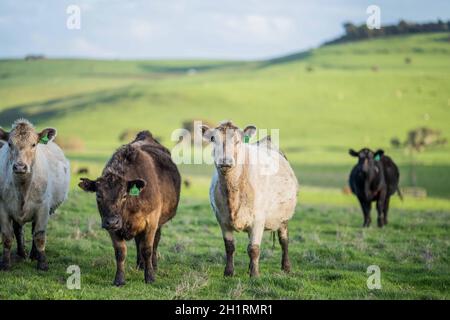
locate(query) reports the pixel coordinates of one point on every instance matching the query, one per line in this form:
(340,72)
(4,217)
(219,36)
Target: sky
(187,29)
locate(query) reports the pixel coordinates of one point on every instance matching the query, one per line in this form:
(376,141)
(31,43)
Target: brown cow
(137,193)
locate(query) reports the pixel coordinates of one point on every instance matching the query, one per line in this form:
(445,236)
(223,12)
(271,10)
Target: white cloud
(259,27)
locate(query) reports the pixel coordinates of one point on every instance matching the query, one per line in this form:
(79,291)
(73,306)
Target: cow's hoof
(33,255)
(42,266)
(286,268)
(149,278)
(119,282)
(5,266)
(254,274)
(21,255)
(140,266)
(228,273)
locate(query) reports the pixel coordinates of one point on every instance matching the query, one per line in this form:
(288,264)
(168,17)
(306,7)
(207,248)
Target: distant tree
(417,141)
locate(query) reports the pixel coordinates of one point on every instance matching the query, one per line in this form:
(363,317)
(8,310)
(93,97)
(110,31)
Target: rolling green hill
(324,102)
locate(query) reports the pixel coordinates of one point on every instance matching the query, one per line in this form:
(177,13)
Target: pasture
(324,102)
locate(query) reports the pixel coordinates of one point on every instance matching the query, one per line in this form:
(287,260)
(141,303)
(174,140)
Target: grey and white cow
(253,189)
(34,181)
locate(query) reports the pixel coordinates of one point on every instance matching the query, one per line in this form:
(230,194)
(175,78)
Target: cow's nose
(19,168)
(226,163)
(111,223)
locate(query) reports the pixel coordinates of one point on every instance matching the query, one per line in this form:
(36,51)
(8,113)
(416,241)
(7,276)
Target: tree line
(354,32)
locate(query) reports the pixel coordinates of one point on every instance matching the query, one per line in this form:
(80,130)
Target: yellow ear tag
(134,191)
(44,139)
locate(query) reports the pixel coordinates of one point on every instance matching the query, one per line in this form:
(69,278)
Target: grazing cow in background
(137,194)
(245,196)
(374,178)
(34,181)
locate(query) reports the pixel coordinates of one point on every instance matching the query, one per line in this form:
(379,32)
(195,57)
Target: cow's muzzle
(226,163)
(113,223)
(20,168)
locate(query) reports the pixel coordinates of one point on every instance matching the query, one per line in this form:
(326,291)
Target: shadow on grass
(64,106)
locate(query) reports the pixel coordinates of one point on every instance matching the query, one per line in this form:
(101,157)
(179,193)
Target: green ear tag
(44,140)
(134,191)
(246,139)
(377,157)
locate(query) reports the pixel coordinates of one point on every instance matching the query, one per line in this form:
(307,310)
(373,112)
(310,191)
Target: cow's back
(169,179)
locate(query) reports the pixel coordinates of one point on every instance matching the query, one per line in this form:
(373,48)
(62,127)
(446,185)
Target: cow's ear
(378,154)
(353,153)
(249,131)
(88,185)
(134,187)
(4,135)
(207,133)
(47,135)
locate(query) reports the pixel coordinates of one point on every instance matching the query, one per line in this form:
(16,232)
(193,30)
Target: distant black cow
(374,178)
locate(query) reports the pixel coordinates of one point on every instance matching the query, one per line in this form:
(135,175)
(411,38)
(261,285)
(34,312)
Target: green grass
(340,104)
(330,253)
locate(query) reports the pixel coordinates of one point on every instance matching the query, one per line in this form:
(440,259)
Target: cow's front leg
(366,207)
(380,208)
(7,238)
(253,248)
(147,246)
(120,251)
(283,238)
(40,238)
(33,251)
(18,232)
(139,259)
(228,239)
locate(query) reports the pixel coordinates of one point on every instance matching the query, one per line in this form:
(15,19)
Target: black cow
(374,178)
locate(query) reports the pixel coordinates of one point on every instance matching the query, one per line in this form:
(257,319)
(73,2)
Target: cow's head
(367,158)
(227,139)
(22,142)
(115,195)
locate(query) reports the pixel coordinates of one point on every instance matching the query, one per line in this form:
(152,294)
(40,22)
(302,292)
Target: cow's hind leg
(18,232)
(120,251)
(39,238)
(283,238)
(155,249)
(228,240)
(386,209)
(7,239)
(253,248)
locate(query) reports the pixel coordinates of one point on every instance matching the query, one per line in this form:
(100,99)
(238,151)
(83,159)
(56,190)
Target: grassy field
(324,102)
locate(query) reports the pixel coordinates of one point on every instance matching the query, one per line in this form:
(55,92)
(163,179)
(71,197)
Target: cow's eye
(34,145)
(212,139)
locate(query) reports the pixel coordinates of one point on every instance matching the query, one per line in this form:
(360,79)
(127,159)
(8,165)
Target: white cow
(253,189)
(34,181)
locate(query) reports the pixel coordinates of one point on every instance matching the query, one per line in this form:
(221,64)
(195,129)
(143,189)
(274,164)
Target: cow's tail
(399,193)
